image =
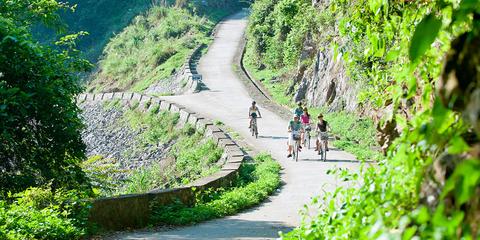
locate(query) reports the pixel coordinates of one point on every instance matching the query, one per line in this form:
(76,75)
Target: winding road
(227,100)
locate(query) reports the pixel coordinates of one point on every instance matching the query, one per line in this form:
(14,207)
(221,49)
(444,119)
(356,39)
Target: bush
(38,213)
(40,128)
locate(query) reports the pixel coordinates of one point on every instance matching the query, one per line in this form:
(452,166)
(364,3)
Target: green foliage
(278,29)
(40,127)
(102,173)
(425,187)
(38,213)
(256,181)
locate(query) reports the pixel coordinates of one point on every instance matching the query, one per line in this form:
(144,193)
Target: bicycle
(307,136)
(254,128)
(296,146)
(322,148)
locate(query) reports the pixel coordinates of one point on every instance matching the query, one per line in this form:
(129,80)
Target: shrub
(38,213)
(40,136)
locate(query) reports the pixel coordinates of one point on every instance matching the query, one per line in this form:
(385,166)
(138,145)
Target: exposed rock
(108,135)
(327,84)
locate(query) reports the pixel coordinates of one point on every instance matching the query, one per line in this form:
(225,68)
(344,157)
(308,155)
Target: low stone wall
(190,73)
(133,210)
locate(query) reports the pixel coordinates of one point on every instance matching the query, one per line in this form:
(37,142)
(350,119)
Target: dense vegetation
(156,45)
(40,129)
(40,213)
(257,179)
(44,192)
(427,185)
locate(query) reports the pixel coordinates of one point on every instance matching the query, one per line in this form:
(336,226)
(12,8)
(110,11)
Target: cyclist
(305,118)
(322,127)
(253,113)
(298,111)
(295,130)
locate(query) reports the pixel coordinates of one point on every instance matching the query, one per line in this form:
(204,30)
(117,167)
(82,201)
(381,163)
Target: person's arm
(259,114)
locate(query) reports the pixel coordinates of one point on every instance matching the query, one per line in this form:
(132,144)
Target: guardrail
(133,210)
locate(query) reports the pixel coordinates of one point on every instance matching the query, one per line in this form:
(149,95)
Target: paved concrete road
(228,100)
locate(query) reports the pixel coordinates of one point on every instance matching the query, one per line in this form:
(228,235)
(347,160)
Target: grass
(357,135)
(266,76)
(256,181)
(153,48)
(192,155)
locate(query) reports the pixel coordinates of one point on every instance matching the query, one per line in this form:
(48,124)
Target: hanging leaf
(425,33)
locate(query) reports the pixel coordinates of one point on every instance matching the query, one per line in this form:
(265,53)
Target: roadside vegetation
(426,186)
(257,180)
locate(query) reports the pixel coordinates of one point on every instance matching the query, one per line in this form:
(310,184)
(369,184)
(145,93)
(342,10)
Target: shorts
(253,115)
(322,136)
(291,137)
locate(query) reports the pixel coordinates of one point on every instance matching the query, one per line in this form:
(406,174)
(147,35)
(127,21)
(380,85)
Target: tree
(40,128)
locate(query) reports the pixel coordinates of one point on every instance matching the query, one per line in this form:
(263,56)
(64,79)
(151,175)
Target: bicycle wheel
(324,151)
(296,151)
(308,140)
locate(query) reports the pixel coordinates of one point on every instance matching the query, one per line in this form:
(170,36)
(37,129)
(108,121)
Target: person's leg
(326,145)
(250,125)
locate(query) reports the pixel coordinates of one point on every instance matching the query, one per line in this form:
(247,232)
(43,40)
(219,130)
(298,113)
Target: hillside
(152,49)
(395,63)
(102,19)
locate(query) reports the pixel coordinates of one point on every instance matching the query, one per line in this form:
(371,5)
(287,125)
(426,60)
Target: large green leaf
(425,33)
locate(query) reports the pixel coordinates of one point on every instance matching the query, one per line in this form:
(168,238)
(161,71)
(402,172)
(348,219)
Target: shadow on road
(222,229)
(330,160)
(272,137)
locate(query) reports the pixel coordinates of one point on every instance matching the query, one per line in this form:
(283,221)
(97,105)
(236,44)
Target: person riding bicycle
(298,111)
(305,118)
(295,129)
(321,129)
(253,113)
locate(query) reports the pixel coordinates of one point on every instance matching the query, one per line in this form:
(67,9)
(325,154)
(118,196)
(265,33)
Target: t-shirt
(295,126)
(253,111)
(298,111)
(322,126)
(305,118)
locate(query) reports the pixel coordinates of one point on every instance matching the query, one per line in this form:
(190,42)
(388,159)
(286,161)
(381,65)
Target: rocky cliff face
(324,82)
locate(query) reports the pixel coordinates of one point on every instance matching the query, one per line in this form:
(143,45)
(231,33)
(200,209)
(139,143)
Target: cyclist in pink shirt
(305,118)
